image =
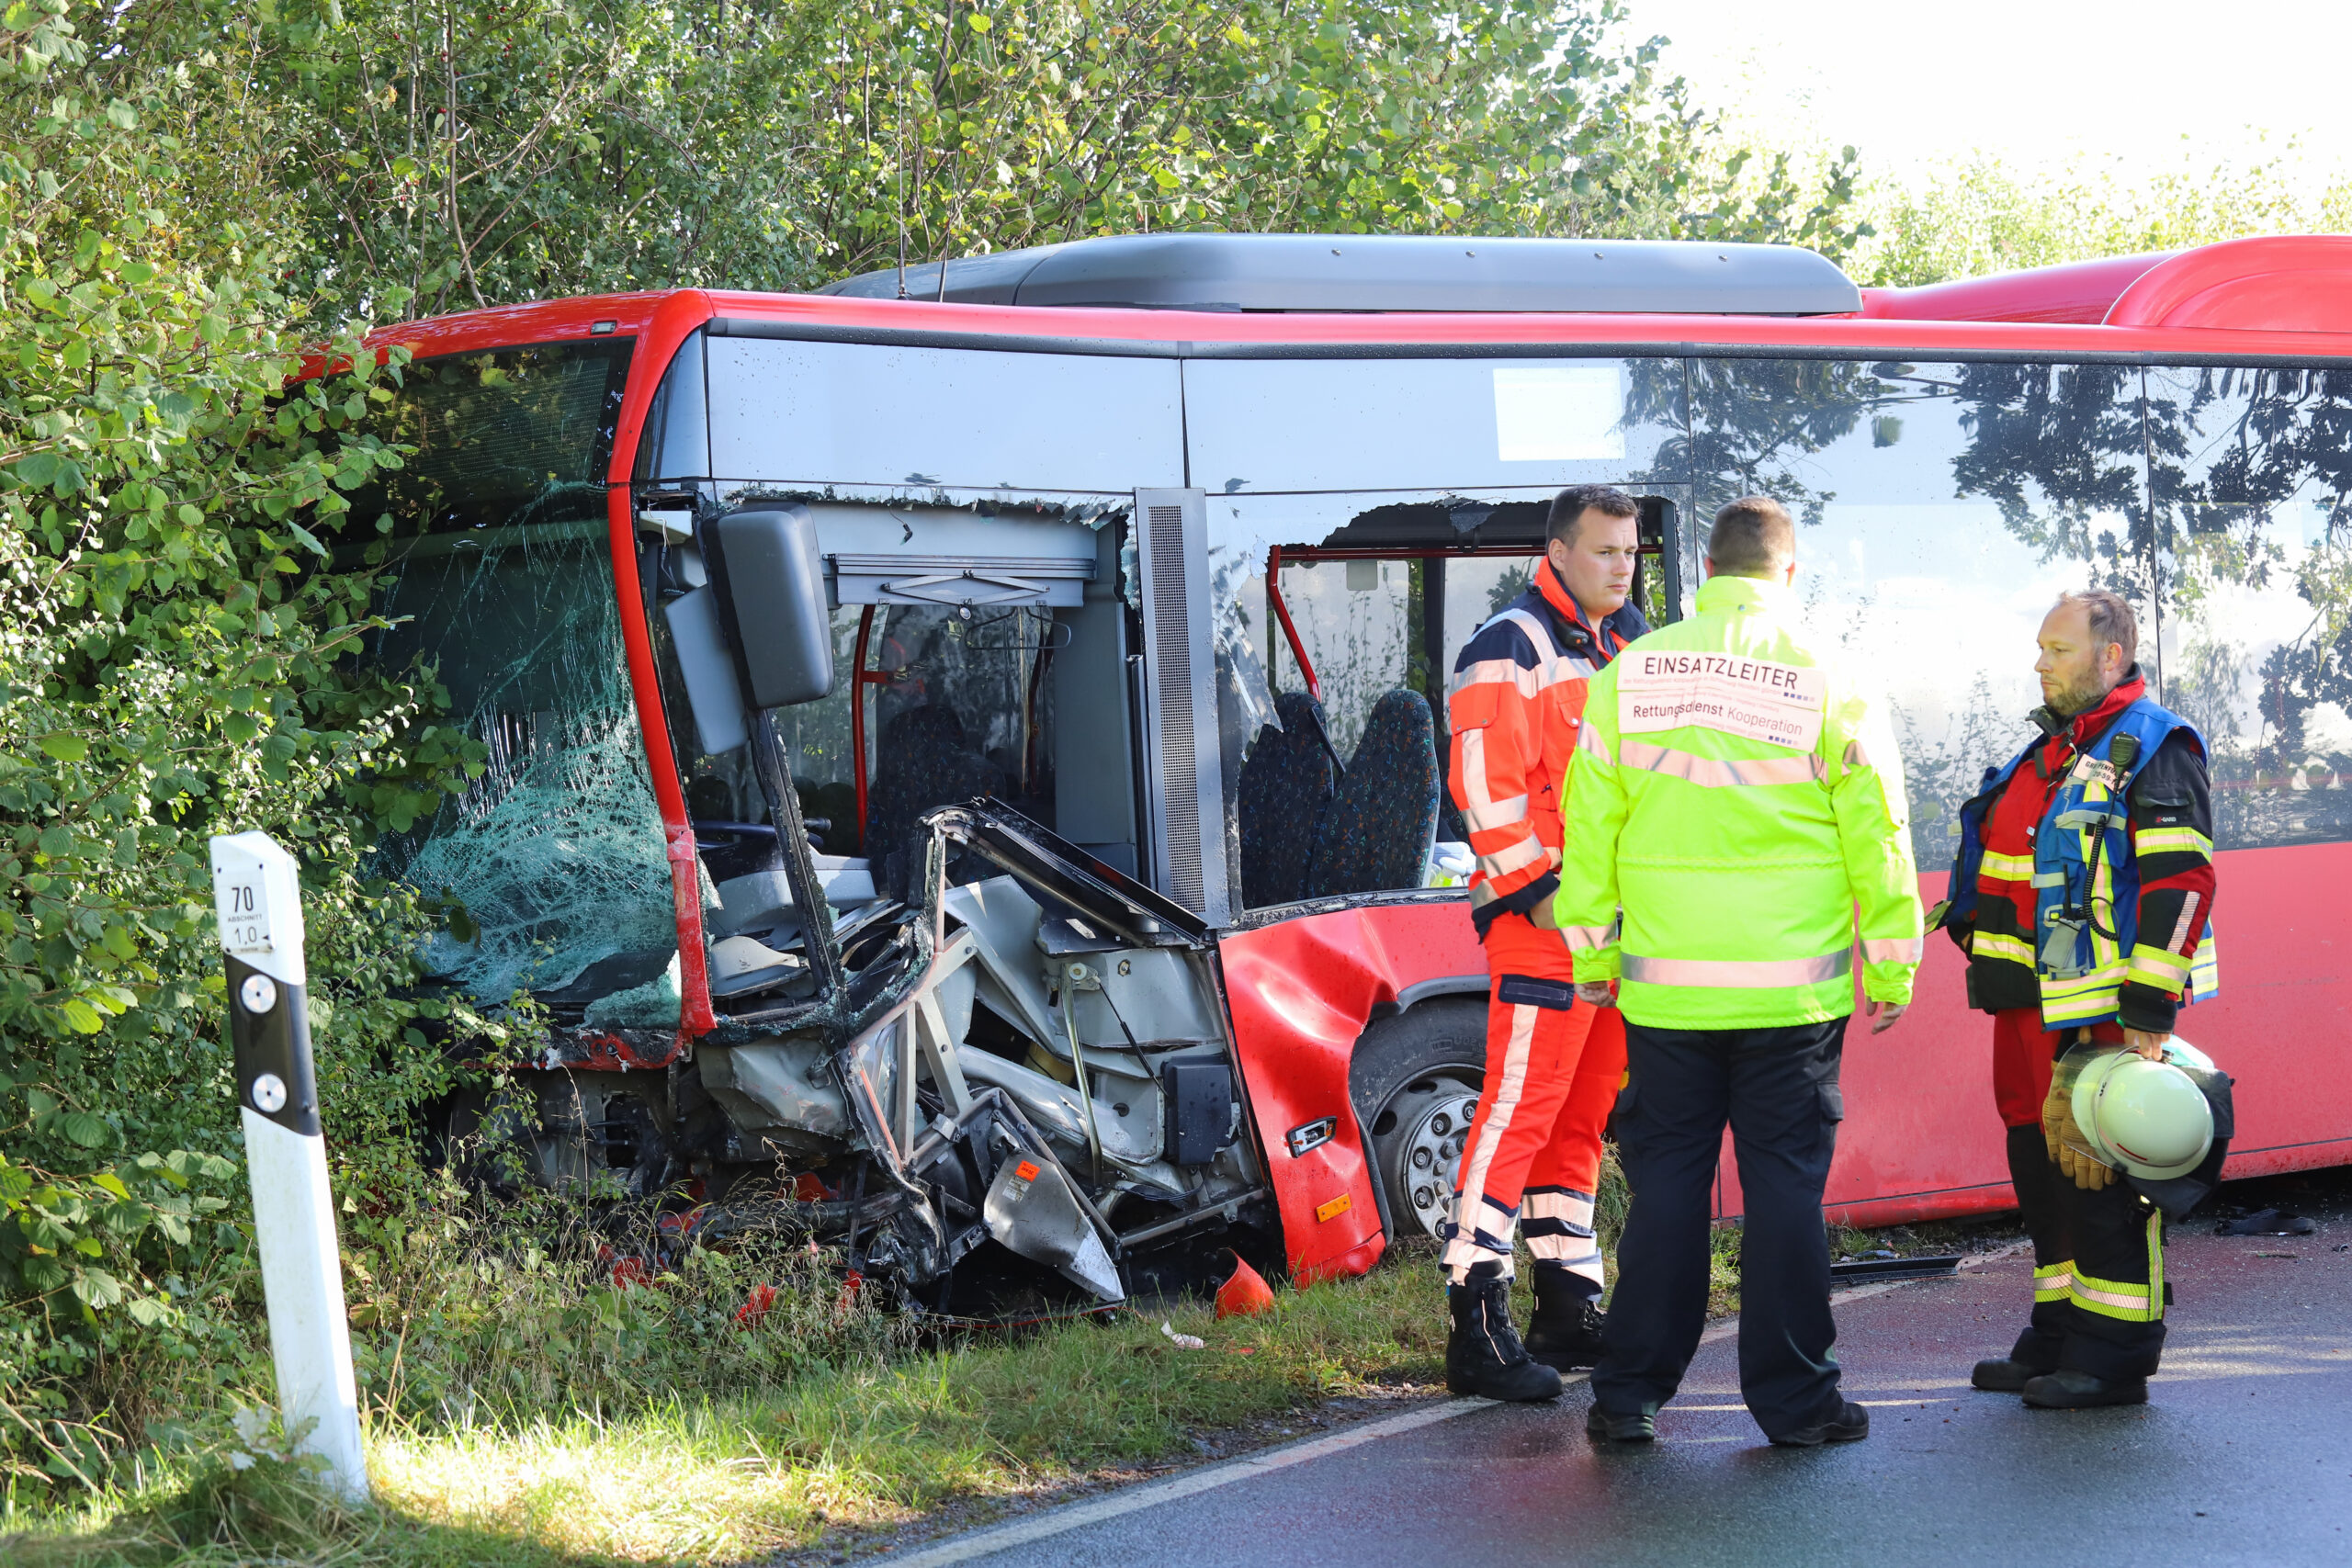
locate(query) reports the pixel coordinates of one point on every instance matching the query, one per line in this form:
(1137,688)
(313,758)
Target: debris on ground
(1183,1341)
(2268,1221)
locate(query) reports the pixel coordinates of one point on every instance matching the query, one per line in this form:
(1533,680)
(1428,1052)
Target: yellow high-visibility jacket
(1741,801)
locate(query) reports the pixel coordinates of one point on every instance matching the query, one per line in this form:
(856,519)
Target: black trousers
(1778,1089)
(2108,1242)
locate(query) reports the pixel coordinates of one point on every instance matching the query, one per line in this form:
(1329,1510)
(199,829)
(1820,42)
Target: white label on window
(1554,413)
(1776,704)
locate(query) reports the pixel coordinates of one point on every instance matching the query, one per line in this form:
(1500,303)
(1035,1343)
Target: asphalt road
(2244,1455)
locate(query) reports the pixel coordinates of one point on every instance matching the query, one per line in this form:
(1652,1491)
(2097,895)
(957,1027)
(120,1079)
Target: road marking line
(1077,1516)
(1150,1494)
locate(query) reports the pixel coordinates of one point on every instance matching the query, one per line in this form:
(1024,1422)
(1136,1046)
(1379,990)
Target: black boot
(2005,1376)
(2035,1352)
(1483,1355)
(2080,1390)
(1565,1332)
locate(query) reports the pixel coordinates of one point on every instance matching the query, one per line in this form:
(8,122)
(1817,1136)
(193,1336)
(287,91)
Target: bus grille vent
(1179,756)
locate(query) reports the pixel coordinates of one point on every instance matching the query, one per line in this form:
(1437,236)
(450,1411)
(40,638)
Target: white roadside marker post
(260,906)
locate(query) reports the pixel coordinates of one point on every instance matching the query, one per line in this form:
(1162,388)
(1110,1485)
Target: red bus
(965,752)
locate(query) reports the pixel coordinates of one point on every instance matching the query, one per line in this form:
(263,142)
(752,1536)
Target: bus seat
(1285,787)
(1378,831)
(920,762)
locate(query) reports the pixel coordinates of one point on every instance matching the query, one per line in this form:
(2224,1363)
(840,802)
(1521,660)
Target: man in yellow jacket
(1740,800)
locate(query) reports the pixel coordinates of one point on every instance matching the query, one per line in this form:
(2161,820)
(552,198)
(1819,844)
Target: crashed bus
(966,749)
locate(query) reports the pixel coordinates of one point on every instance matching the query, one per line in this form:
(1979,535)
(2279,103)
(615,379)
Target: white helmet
(2148,1117)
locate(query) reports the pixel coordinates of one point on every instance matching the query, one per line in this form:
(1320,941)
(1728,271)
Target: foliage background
(195,194)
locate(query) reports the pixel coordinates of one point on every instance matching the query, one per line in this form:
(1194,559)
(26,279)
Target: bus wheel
(1415,1079)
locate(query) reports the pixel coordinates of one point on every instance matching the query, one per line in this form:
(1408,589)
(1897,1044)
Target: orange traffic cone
(1245,1295)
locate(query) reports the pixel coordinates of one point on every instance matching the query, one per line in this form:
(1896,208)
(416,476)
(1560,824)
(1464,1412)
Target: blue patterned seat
(1286,788)
(1378,830)
(920,762)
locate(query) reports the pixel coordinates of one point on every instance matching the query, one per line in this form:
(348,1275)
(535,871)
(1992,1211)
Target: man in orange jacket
(1554,1064)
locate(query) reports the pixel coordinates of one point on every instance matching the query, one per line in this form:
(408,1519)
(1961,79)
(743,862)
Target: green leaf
(84,1127)
(309,540)
(65,748)
(82,1018)
(98,1289)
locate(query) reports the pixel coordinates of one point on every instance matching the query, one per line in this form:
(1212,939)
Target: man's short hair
(2110,617)
(1569,506)
(1753,536)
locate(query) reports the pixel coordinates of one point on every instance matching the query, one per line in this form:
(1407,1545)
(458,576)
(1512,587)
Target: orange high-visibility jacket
(1517,695)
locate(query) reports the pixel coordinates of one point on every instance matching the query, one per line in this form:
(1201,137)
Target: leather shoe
(1620,1425)
(2079,1390)
(1850,1424)
(2005,1376)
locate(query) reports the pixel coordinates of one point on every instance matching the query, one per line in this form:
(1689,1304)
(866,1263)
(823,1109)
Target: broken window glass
(497,574)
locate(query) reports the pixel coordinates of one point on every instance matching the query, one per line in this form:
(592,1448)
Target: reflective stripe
(1480,809)
(1584,939)
(1501,814)
(2172,840)
(2006,868)
(1503,862)
(2052,1281)
(1720,973)
(1497,672)
(1562,1203)
(1719,772)
(2205,974)
(2126,1298)
(1590,741)
(1996,946)
(1894,950)
(1493,1121)
(2183,927)
(2167,972)
(2086,996)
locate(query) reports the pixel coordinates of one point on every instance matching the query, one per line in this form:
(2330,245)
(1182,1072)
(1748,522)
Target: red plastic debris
(755,1309)
(628,1271)
(808,1187)
(1245,1295)
(852,1283)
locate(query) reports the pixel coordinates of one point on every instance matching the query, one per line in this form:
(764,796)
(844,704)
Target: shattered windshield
(497,575)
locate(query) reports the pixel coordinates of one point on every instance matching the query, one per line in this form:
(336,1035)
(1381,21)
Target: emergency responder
(1740,799)
(2075,919)
(1533,1155)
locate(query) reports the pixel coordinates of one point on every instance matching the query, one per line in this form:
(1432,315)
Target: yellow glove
(2057,1123)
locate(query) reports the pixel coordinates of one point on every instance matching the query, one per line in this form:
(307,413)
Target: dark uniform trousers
(2100,1248)
(1778,1089)
(2100,1291)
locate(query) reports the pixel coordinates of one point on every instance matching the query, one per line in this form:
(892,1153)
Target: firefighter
(2082,896)
(1742,801)
(1532,1158)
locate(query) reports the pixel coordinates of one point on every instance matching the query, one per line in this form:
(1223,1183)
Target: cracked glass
(498,578)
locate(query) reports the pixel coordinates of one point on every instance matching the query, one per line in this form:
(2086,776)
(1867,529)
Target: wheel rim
(1423,1148)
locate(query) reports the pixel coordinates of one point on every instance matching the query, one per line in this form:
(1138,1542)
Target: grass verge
(835,1456)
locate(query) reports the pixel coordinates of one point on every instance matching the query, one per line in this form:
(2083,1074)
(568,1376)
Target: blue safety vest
(2085,879)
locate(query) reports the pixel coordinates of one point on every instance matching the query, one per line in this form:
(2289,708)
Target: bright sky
(2036,82)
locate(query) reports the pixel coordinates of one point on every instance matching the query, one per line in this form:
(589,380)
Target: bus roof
(2282,298)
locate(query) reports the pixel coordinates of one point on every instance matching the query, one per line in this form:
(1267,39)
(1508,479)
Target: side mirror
(776,587)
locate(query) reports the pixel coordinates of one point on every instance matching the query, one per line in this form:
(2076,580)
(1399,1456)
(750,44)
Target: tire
(1415,1079)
